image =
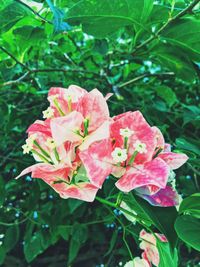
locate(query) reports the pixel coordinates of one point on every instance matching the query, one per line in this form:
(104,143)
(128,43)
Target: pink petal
(97,161)
(30,169)
(167,148)
(74,92)
(174,160)
(63,128)
(103,132)
(148,244)
(159,137)
(82,191)
(148,189)
(94,107)
(41,127)
(141,131)
(154,172)
(166,197)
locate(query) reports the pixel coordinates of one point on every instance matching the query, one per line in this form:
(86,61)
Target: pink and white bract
(78,145)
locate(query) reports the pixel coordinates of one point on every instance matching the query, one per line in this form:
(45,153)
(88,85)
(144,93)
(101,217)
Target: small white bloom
(50,143)
(27,148)
(1,236)
(119,155)
(48,113)
(31,139)
(140,147)
(1,243)
(126,132)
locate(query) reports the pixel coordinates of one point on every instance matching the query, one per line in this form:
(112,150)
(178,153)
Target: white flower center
(119,155)
(140,147)
(48,113)
(126,132)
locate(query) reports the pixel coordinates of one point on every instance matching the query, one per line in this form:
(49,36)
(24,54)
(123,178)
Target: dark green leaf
(101,18)
(64,231)
(191,205)
(188,229)
(11,237)
(10,15)
(167,94)
(162,218)
(33,247)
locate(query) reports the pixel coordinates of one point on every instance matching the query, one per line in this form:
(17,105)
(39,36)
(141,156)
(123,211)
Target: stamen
(86,125)
(69,103)
(40,156)
(55,101)
(41,149)
(132,158)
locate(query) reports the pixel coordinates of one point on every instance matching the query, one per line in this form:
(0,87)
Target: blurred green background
(93,44)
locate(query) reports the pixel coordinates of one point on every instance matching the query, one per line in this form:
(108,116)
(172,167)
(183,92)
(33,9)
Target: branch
(29,72)
(34,12)
(188,9)
(14,58)
(146,75)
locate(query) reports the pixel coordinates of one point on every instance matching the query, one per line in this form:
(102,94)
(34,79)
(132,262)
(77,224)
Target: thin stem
(34,12)
(13,57)
(170,20)
(144,76)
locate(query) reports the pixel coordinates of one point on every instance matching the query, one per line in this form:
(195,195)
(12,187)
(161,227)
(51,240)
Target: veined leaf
(185,33)
(188,229)
(101,18)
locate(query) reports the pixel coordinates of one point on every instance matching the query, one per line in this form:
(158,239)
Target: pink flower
(58,177)
(148,244)
(137,262)
(140,169)
(76,121)
(173,160)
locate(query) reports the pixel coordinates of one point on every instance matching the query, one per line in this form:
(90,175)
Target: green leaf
(11,237)
(10,15)
(112,242)
(81,175)
(162,218)
(33,247)
(167,94)
(167,257)
(2,190)
(2,254)
(187,145)
(188,230)
(175,60)
(79,236)
(101,18)
(191,205)
(74,204)
(64,231)
(185,33)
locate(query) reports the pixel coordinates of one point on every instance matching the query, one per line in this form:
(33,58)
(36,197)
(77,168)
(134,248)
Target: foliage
(147,54)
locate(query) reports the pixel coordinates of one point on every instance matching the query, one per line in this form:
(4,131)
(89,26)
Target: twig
(20,79)
(16,81)
(34,12)
(14,58)
(145,75)
(170,20)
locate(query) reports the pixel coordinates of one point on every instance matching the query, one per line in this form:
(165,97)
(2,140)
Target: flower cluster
(150,255)
(78,145)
